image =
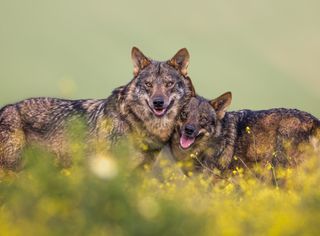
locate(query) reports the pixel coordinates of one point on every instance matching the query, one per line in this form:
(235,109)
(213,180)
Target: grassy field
(266,52)
(99,196)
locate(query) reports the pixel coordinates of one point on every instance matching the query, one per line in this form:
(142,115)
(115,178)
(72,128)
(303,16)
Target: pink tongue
(159,112)
(186,142)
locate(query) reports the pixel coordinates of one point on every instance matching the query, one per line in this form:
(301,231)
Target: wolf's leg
(229,144)
(279,156)
(12,137)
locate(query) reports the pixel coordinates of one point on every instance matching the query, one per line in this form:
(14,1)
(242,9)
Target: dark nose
(189,129)
(158,102)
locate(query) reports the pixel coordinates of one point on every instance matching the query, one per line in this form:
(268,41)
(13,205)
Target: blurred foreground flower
(148,207)
(104,167)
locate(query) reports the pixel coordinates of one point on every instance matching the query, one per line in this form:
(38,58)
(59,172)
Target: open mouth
(159,112)
(186,142)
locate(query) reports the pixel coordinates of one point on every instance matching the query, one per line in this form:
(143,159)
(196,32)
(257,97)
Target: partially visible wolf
(210,137)
(145,109)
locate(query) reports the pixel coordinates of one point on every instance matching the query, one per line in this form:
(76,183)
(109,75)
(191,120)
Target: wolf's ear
(221,103)
(139,60)
(180,61)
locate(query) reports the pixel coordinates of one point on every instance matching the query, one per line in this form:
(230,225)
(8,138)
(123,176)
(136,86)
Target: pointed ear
(221,104)
(139,60)
(180,61)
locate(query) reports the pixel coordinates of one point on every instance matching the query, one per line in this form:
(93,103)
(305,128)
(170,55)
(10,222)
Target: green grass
(100,196)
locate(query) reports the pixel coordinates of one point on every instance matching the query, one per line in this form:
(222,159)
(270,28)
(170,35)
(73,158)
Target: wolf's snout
(189,130)
(188,136)
(158,103)
(159,108)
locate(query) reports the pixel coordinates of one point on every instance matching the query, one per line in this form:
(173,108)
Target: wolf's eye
(169,84)
(183,115)
(148,84)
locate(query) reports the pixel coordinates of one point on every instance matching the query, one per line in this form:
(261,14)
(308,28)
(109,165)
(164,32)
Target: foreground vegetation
(100,196)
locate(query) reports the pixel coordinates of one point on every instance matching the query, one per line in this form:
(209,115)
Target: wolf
(210,137)
(145,109)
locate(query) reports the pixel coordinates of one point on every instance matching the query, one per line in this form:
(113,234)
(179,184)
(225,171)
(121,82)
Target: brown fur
(272,136)
(128,113)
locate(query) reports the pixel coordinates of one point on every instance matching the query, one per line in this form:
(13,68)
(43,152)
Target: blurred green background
(266,52)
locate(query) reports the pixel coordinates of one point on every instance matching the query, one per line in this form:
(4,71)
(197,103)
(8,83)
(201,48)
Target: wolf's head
(199,123)
(158,91)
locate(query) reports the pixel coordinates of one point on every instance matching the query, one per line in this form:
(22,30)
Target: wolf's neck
(225,143)
(159,129)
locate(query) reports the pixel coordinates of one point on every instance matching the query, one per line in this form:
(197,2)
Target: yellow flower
(144,147)
(239,170)
(248,130)
(104,167)
(229,188)
(65,172)
(269,166)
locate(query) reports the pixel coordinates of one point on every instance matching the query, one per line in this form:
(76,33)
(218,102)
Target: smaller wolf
(144,111)
(211,138)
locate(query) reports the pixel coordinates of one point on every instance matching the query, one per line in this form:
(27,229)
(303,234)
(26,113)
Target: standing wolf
(211,137)
(145,109)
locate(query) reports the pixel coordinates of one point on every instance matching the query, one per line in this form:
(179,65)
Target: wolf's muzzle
(158,103)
